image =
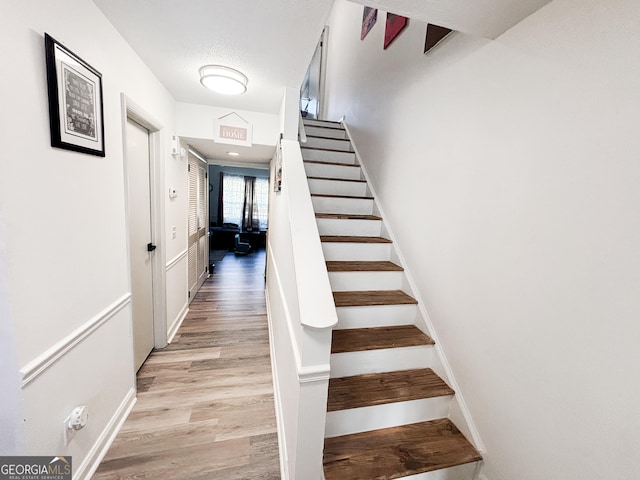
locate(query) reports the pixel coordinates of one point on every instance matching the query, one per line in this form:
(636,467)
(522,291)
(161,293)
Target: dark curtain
(220,200)
(250,221)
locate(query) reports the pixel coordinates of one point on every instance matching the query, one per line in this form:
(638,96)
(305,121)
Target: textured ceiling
(269,41)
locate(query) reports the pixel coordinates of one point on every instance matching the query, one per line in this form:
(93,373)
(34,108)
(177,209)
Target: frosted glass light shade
(224,80)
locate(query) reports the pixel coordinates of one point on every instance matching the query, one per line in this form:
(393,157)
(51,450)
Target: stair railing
(301,317)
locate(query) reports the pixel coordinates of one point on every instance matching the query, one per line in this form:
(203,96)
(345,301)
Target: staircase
(387,409)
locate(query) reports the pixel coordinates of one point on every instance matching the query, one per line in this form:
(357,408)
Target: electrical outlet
(174,233)
(76,420)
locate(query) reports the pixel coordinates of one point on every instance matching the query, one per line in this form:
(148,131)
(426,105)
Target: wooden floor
(205,405)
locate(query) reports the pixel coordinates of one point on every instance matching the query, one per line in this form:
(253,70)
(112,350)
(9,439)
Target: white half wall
(509,173)
(65,232)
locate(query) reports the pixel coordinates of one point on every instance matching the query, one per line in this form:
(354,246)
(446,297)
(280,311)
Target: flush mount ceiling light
(224,80)
(233,154)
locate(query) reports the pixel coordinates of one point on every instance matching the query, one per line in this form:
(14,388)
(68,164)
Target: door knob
(150,247)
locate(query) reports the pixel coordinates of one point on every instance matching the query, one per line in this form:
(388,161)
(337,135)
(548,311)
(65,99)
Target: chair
(241,248)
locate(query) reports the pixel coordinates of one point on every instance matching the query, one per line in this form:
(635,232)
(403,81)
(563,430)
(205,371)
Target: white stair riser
(348,281)
(342,226)
(332,171)
(356,420)
(376,316)
(360,206)
(459,472)
(328,156)
(379,361)
(337,187)
(342,251)
(321,123)
(325,132)
(329,143)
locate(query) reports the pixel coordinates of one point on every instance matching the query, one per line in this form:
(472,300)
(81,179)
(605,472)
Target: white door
(140,241)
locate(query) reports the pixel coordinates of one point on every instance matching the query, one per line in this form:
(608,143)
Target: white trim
(306,374)
(102,445)
(322,90)
(131,110)
(239,163)
(177,323)
(458,397)
(40,364)
(200,157)
(175,260)
(284,463)
(316,373)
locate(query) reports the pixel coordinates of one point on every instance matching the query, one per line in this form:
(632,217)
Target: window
(235,203)
(232,199)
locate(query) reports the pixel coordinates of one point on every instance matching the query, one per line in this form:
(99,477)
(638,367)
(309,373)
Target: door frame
(131,110)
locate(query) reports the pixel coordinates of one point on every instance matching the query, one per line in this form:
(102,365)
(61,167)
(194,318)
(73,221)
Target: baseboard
(177,323)
(284,470)
(101,447)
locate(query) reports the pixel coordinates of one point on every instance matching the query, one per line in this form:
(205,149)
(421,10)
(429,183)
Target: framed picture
(395,24)
(435,34)
(76,118)
(369,18)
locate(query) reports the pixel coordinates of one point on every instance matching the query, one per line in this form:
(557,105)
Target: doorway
(143,174)
(312,91)
(198,222)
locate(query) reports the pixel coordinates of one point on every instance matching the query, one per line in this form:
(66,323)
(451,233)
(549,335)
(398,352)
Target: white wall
(198,121)
(509,173)
(65,229)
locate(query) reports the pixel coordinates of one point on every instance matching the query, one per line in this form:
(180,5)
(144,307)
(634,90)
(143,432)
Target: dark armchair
(241,248)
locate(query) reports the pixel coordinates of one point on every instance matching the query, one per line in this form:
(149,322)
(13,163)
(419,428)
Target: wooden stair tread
(348,216)
(363,298)
(353,239)
(376,338)
(332,125)
(332,195)
(320,162)
(335,179)
(381,388)
(397,452)
(327,149)
(367,266)
(328,138)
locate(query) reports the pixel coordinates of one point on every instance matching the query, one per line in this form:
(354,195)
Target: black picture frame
(76,116)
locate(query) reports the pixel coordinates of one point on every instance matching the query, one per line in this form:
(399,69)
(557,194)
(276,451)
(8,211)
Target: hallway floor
(205,405)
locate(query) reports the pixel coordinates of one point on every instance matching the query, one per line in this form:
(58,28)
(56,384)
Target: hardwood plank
(205,406)
(354,165)
(333,126)
(347,216)
(326,195)
(372,297)
(380,388)
(397,452)
(338,179)
(367,266)
(375,338)
(353,239)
